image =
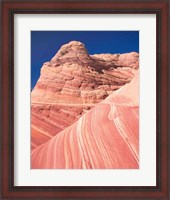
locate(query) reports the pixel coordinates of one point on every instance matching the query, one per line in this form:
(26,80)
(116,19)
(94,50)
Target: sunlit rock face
(106,137)
(71,84)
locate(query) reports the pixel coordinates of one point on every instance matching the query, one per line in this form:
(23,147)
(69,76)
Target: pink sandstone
(106,137)
(72,83)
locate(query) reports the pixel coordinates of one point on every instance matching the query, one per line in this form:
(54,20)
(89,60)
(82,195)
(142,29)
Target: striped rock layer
(106,137)
(71,84)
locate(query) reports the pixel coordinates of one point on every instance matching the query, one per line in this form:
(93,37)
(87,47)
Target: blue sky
(45,44)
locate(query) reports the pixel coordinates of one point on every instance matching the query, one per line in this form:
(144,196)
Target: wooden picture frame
(11,7)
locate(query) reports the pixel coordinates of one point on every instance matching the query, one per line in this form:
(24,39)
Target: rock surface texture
(107,137)
(71,84)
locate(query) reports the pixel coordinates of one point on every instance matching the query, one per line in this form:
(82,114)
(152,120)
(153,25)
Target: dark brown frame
(11,7)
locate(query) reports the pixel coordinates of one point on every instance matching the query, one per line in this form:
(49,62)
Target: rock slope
(72,83)
(107,137)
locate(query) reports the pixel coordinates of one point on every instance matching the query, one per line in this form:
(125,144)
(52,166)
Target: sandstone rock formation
(72,83)
(107,137)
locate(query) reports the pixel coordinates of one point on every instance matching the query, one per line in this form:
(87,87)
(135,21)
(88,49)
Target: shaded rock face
(107,137)
(71,84)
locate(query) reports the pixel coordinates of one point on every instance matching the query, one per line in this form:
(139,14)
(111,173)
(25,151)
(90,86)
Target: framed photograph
(84,99)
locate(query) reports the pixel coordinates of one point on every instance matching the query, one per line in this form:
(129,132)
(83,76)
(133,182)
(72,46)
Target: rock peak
(76,43)
(71,49)
(73,44)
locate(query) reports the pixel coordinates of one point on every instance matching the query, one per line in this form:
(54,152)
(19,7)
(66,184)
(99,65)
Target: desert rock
(107,137)
(72,83)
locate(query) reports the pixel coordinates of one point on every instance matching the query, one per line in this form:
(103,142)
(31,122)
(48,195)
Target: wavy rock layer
(105,137)
(72,83)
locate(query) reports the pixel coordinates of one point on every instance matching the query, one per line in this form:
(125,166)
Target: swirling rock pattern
(106,137)
(72,83)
